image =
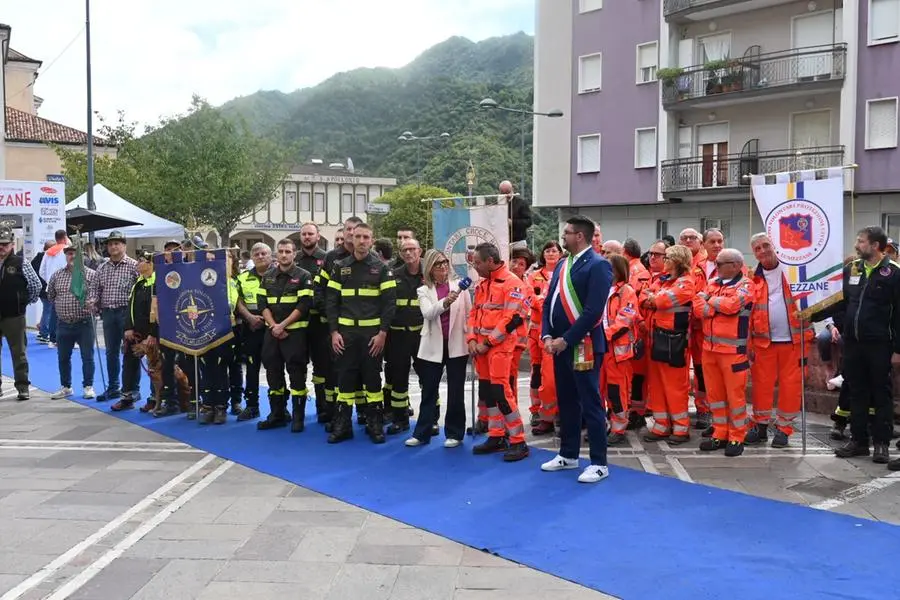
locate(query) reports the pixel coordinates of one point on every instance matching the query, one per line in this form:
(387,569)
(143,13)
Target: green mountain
(361,113)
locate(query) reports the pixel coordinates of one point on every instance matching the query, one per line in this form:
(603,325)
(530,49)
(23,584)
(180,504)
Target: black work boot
(342,427)
(321,404)
(298,408)
(837,430)
(881,455)
(851,449)
(704,419)
(251,411)
(361,416)
(516,452)
(375,423)
(493,444)
(277,417)
(400,421)
(236,406)
(757,434)
(221,416)
(207,415)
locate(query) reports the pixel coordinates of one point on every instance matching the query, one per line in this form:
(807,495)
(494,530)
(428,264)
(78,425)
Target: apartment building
(671,103)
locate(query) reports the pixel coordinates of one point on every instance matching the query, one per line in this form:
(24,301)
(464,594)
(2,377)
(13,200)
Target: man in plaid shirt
(110,291)
(74,325)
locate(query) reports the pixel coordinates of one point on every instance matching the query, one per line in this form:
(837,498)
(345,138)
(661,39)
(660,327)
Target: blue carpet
(633,536)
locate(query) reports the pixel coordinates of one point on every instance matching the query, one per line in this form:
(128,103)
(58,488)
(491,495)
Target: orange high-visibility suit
(619,320)
(638,279)
(724,313)
(698,271)
(522,340)
(667,305)
(543,381)
(775,361)
(498,313)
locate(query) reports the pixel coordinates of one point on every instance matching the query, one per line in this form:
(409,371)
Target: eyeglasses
(657,254)
(441,264)
(408,249)
(724,262)
(689,237)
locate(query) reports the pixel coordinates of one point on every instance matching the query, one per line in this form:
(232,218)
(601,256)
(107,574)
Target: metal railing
(727,171)
(763,71)
(676,6)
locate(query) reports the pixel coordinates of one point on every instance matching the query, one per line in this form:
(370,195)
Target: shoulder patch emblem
(516,295)
(884,271)
(345,270)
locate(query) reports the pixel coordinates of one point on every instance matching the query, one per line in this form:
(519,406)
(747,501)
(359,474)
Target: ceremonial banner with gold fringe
(803,215)
(192,301)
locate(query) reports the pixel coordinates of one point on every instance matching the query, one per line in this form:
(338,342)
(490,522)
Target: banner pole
(197,389)
(472,396)
(802,384)
(100,364)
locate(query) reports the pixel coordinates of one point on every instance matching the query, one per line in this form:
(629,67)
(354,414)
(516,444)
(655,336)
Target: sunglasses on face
(657,254)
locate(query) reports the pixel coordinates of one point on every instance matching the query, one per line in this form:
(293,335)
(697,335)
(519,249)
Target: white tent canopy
(111,204)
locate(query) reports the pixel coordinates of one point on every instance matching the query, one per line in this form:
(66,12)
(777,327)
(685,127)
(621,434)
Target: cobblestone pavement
(95,508)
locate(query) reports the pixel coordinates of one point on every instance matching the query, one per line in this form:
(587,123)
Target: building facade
(323,195)
(671,103)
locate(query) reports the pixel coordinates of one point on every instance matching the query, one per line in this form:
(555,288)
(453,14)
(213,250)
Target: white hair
(732,254)
(260,246)
(759,236)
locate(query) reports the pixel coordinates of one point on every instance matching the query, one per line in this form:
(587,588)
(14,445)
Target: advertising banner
(38,207)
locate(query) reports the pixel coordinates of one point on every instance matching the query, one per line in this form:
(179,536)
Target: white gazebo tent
(151,226)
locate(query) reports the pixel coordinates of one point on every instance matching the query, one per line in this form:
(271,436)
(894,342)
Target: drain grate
(821,486)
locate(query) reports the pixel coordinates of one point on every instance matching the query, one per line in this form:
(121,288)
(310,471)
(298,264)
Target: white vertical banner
(458,229)
(803,215)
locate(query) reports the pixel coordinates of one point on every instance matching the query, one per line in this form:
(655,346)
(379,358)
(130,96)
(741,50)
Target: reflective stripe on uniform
(360,323)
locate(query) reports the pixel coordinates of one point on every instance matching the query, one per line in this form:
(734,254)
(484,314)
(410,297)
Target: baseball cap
(892,243)
(6,235)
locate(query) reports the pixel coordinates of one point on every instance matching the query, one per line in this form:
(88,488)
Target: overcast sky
(149,56)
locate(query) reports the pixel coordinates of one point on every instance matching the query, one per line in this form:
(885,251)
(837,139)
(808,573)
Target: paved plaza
(96,508)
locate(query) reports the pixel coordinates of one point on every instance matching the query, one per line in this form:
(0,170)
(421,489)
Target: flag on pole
(458,229)
(803,215)
(78,286)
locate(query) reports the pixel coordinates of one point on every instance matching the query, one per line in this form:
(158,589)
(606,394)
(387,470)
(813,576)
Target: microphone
(464,283)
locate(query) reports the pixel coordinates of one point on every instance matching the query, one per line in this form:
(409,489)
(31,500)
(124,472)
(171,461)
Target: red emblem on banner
(795,232)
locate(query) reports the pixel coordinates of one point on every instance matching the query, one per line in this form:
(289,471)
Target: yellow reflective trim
(306,292)
(298,325)
(390,283)
(361,323)
(348,292)
(288,299)
(334,284)
(368,292)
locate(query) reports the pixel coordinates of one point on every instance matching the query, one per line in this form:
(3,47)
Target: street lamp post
(407,136)
(490,103)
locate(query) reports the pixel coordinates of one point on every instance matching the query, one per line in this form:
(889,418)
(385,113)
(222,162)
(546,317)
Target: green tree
(408,210)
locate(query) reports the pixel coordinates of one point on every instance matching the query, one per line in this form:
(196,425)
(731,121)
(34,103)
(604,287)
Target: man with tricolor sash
(573,334)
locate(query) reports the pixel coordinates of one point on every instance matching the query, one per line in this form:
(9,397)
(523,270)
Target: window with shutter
(361,204)
(590,73)
(290,201)
(881,123)
(304,201)
(347,203)
(319,202)
(589,5)
(644,148)
(884,21)
(589,153)
(647,62)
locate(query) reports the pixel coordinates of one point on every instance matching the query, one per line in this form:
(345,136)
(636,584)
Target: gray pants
(13,330)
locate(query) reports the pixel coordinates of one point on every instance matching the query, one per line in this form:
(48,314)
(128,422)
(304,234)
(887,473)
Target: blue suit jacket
(592,278)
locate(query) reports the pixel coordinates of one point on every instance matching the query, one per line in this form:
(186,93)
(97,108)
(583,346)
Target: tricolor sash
(584,350)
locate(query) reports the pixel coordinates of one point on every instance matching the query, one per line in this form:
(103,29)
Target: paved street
(96,509)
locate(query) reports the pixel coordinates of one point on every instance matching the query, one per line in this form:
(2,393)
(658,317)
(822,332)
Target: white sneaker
(63,392)
(835,383)
(413,442)
(451,443)
(560,463)
(593,474)
(88,392)
(51,345)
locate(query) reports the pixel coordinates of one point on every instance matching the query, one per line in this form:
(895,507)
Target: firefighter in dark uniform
(321,283)
(406,331)
(285,299)
(360,307)
(310,257)
(140,323)
(253,329)
(215,364)
(871,302)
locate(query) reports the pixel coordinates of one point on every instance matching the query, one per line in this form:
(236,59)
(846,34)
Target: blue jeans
(113,335)
(67,335)
(48,320)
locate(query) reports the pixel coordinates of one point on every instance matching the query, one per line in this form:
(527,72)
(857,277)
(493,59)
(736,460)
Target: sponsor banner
(192,301)
(803,214)
(36,206)
(459,229)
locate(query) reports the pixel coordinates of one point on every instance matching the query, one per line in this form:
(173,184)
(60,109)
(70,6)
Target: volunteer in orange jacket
(520,260)
(638,279)
(494,320)
(543,383)
(619,319)
(724,313)
(775,347)
(667,306)
(691,238)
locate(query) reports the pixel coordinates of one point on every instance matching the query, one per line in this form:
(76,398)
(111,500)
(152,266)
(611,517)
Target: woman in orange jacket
(619,322)
(667,307)
(543,383)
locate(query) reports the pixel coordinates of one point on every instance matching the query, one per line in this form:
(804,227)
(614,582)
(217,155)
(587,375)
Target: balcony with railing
(696,10)
(754,75)
(714,172)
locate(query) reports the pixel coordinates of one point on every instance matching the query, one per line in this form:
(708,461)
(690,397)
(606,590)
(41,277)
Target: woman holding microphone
(446,310)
